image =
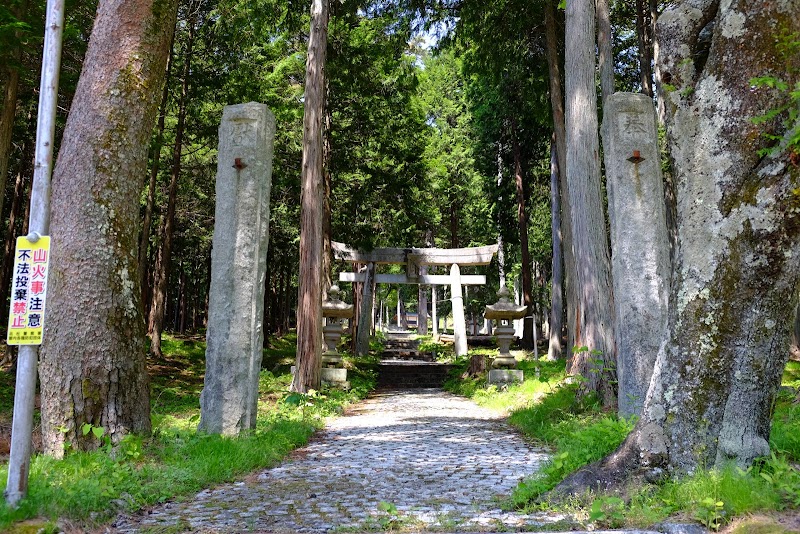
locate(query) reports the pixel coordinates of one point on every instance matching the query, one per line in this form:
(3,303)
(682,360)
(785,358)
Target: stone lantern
(333,311)
(504,312)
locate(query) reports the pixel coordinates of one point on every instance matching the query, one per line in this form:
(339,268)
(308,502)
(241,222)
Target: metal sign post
(39,225)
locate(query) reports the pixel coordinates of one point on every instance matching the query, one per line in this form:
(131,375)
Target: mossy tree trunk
(93,358)
(736,273)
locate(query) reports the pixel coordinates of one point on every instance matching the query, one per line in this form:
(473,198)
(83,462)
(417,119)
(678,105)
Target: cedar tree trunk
(528,324)
(158,305)
(309,295)
(93,357)
(596,315)
(144,236)
(645,37)
(605,54)
(554,351)
(557,105)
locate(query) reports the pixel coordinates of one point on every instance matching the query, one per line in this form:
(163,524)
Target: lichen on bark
(93,358)
(736,269)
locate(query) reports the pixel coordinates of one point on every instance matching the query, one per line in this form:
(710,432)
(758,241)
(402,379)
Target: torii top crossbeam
(414,258)
(417,256)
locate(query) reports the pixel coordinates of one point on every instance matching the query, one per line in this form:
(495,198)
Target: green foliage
(785,435)
(714,497)
(442,352)
(534,388)
(389,516)
(377,131)
(787,95)
(607,512)
(710,513)
(280,353)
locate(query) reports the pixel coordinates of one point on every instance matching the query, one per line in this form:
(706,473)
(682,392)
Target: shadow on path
(438,461)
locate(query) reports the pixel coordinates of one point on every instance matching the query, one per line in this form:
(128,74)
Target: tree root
(609,474)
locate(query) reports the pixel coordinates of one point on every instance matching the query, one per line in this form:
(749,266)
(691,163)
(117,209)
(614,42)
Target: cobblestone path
(440,460)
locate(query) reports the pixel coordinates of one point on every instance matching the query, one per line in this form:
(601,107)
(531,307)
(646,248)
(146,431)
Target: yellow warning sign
(28,291)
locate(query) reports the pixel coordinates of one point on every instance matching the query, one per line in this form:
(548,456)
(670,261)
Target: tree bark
(182,301)
(737,272)
(794,345)
(366,312)
(645,37)
(269,297)
(309,301)
(327,252)
(158,304)
(605,54)
(9,111)
(93,357)
(422,305)
(554,351)
(9,75)
(13,221)
(287,304)
(144,238)
(454,203)
(522,226)
(596,312)
(557,105)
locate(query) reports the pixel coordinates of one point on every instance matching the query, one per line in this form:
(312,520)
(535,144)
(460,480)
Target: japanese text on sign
(28,291)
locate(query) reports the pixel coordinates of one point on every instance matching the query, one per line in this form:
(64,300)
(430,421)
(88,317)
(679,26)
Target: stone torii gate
(413,259)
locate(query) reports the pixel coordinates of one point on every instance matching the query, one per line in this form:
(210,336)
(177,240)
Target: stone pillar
(519,324)
(434,317)
(366,316)
(398,307)
(228,403)
(459,322)
(422,305)
(639,242)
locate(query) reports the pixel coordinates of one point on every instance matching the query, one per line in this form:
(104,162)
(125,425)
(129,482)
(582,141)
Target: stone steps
(412,374)
(411,344)
(406,354)
(404,349)
(404,366)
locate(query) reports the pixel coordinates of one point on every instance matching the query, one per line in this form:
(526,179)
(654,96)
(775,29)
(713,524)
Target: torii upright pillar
(365,318)
(459,322)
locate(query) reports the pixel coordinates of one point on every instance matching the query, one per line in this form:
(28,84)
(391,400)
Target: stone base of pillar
(335,377)
(505,377)
(331,359)
(332,376)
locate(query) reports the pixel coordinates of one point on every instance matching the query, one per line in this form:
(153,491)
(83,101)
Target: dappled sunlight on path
(436,461)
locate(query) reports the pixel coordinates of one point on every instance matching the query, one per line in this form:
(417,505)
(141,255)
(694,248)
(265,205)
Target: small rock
(681,528)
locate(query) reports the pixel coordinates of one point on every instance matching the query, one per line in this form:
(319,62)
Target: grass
(546,409)
(91,488)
